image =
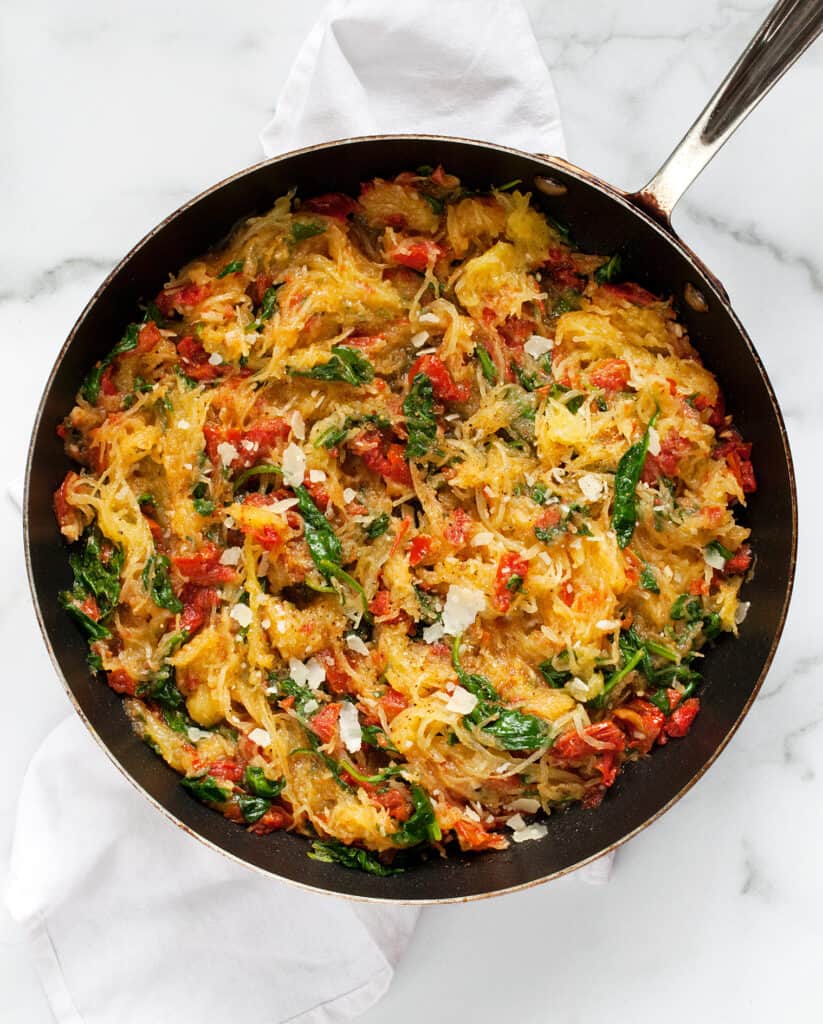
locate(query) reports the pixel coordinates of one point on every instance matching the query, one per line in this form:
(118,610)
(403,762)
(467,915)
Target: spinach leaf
(373,736)
(324,544)
(346,365)
(96,569)
(265,469)
(301,230)
(270,302)
(94,630)
(207,789)
(177,720)
(289,688)
(508,186)
(377,778)
(252,807)
(259,784)
(486,364)
(157,582)
(610,270)
(711,626)
(717,548)
(332,851)
(430,607)
(688,608)
(648,580)
(421,423)
(377,526)
(90,388)
(560,229)
(555,677)
(421,825)
(436,204)
(162,689)
(512,729)
(231,268)
(626,479)
(202,505)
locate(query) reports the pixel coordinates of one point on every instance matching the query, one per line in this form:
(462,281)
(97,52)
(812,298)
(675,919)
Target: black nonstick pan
(603,219)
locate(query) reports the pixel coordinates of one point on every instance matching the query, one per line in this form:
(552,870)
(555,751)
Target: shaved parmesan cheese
(420,339)
(310,674)
(260,737)
(713,558)
(298,425)
(241,613)
(428,318)
(538,346)
(433,633)
(608,624)
(463,605)
(523,835)
(294,465)
(310,707)
(195,734)
(283,505)
(183,425)
(741,612)
(593,487)
(231,556)
(227,453)
(557,474)
(349,494)
(266,623)
(526,804)
(482,539)
(354,643)
(215,359)
(461,701)
(654,441)
(516,822)
(349,724)
(471,814)
(317,476)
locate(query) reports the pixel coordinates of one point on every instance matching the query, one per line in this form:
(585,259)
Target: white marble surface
(112,115)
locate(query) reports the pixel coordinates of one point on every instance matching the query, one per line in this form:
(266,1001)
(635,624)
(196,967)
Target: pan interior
(601,221)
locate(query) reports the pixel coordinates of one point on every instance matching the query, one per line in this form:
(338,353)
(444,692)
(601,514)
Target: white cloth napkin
(131,920)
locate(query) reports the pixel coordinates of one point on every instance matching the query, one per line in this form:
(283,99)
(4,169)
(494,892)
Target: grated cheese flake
(463,605)
(461,701)
(420,339)
(350,731)
(349,494)
(298,425)
(231,556)
(227,453)
(593,487)
(310,674)
(317,476)
(294,465)
(537,346)
(241,613)
(260,737)
(356,644)
(536,831)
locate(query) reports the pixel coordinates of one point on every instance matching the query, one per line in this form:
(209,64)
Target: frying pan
(603,219)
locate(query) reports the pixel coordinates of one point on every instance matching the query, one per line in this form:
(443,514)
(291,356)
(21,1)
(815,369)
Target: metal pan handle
(789,29)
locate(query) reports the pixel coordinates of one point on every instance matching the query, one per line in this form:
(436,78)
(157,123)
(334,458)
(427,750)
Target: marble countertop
(113,115)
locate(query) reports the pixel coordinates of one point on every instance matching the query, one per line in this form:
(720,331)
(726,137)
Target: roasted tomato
(642,722)
(740,562)
(737,454)
(181,298)
(332,204)
(511,574)
(416,253)
(631,293)
(667,461)
(194,360)
(148,337)
(381,456)
(121,682)
(204,566)
(472,836)
(393,703)
(458,528)
(324,723)
(680,720)
(197,605)
(443,385)
(610,374)
(420,549)
(227,769)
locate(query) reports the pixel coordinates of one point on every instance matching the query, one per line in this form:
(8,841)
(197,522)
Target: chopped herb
(435,203)
(560,229)
(555,677)
(202,505)
(422,825)
(162,689)
(323,542)
(207,789)
(514,582)
(421,423)
(332,851)
(648,580)
(374,736)
(269,303)
(96,569)
(717,548)
(266,469)
(259,784)
(346,365)
(231,268)
(377,527)
(712,626)
(688,608)
(376,779)
(610,270)
(486,365)
(252,807)
(509,185)
(626,478)
(567,303)
(90,388)
(301,230)
(430,610)
(157,583)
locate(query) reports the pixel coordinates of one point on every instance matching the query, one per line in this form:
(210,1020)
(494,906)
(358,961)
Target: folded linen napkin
(131,920)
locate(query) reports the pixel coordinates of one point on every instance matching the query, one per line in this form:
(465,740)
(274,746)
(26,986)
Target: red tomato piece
(642,722)
(381,456)
(195,360)
(396,803)
(66,514)
(472,836)
(226,769)
(337,677)
(416,253)
(332,204)
(667,461)
(121,682)
(740,562)
(197,605)
(632,293)
(610,374)
(548,518)
(381,607)
(510,565)
(420,549)
(459,527)
(737,454)
(181,297)
(107,384)
(443,384)
(324,723)
(718,415)
(275,818)
(516,331)
(204,566)
(148,337)
(393,703)
(680,720)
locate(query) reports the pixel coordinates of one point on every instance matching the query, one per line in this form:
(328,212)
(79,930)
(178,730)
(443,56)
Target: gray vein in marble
(799,669)
(751,237)
(755,883)
(62,274)
(790,743)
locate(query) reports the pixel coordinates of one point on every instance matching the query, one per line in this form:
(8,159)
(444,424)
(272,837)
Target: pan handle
(790,27)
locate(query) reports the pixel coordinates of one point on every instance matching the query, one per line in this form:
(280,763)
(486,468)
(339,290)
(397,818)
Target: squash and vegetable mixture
(399,522)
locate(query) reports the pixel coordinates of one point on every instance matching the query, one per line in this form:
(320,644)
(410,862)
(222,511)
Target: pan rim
(707,282)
